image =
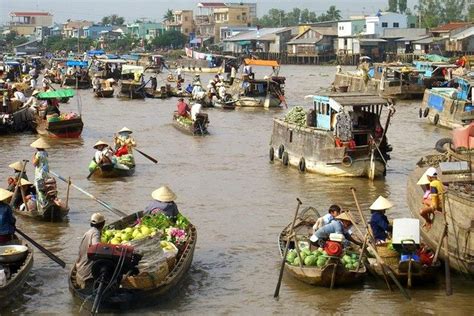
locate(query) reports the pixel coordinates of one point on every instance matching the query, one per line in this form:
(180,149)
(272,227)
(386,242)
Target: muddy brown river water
(236,198)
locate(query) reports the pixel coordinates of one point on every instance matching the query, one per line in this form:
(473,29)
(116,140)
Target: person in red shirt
(183,108)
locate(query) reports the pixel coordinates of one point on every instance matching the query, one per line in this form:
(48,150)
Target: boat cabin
(109,68)
(131,72)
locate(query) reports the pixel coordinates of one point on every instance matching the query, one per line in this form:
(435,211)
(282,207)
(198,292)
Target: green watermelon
(310,260)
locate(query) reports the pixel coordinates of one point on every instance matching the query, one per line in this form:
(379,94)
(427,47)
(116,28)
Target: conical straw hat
(18,166)
(381,204)
(125,130)
(343,216)
(100,143)
(423,180)
(5,194)
(40,143)
(24,182)
(163,194)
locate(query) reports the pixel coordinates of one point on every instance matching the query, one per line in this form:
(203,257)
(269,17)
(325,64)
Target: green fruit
(321,262)
(128,230)
(355,265)
(108,233)
(310,261)
(115,241)
(290,257)
(296,262)
(139,236)
(135,232)
(349,266)
(346,258)
(354,256)
(145,231)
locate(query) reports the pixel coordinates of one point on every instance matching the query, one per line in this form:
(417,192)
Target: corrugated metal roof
(18,13)
(265,34)
(399,33)
(450,27)
(304,41)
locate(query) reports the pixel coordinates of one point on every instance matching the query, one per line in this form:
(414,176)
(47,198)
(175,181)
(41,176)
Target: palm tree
(333,14)
(168,17)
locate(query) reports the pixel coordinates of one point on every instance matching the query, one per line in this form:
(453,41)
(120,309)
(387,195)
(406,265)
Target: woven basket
(390,257)
(147,280)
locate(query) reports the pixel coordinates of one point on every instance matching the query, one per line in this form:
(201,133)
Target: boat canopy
(341,101)
(79,63)
(95,52)
(12,63)
(130,57)
(56,94)
(131,69)
(260,62)
(112,61)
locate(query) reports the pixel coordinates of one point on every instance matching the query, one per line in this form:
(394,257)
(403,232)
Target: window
(396,24)
(345,42)
(384,24)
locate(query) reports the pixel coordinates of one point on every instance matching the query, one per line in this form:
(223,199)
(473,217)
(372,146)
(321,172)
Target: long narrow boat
(105,93)
(187,126)
(333,272)
(109,171)
(19,272)
(457,176)
(124,298)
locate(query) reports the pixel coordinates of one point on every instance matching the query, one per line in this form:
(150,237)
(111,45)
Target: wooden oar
(285,253)
(92,172)
(43,250)
(18,180)
(372,243)
(147,156)
(101,202)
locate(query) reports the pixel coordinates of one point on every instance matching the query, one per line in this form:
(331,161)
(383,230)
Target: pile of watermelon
(350,261)
(317,258)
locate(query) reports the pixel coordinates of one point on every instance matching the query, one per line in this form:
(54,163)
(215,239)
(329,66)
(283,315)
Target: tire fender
(285,159)
(436,119)
(439,146)
(271,154)
(426,112)
(281,150)
(302,165)
(347,161)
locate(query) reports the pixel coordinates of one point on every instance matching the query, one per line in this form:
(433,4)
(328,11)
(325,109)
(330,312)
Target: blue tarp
(79,63)
(12,63)
(95,52)
(112,56)
(436,102)
(130,57)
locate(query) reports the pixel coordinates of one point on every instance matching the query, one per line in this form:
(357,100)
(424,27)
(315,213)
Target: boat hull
(104,93)
(195,129)
(61,129)
(52,212)
(113,173)
(258,102)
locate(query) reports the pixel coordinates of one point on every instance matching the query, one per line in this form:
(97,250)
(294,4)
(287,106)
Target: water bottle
(3,278)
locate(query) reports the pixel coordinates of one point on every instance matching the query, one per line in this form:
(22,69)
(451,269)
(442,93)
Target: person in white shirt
(32,74)
(103,154)
(195,110)
(221,91)
(178,73)
(18,96)
(45,82)
(333,212)
(33,103)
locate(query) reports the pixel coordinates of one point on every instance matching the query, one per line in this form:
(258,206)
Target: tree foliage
(113,19)
(392,6)
(58,43)
(170,39)
(276,17)
(168,16)
(403,6)
(436,12)
(470,16)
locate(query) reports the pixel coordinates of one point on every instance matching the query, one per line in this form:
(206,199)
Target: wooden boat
(163,93)
(104,93)
(458,206)
(19,274)
(109,171)
(73,82)
(196,128)
(333,272)
(14,119)
(124,298)
(132,89)
(227,105)
(314,147)
(71,128)
(448,107)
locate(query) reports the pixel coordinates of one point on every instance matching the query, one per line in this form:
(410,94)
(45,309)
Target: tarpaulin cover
(57,94)
(436,102)
(95,52)
(79,63)
(464,137)
(260,62)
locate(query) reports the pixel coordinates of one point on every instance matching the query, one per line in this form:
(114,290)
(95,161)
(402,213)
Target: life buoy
(420,113)
(271,154)
(302,165)
(347,161)
(281,150)
(285,159)
(426,112)
(440,145)
(436,119)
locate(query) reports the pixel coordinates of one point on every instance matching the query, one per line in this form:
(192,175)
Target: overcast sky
(94,10)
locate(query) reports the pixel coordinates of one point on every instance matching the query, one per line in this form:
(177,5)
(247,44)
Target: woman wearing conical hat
(7,221)
(124,139)
(17,167)
(41,163)
(163,202)
(379,222)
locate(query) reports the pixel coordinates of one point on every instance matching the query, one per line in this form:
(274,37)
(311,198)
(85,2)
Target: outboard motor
(110,263)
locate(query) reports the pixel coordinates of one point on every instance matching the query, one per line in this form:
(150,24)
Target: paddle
(91,173)
(101,202)
(18,180)
(147,156)
(379,259)
(285,253)
(44,250)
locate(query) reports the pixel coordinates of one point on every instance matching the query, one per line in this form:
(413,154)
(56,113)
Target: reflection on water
(238,200)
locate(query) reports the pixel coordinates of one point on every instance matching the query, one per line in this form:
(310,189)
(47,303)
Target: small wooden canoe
(104,93)
(19,274)
(71,128)
(109,171)
(125,298)
(79,84)
(228,105)
(196,128)
(315,275)
(51,212)
(132,89)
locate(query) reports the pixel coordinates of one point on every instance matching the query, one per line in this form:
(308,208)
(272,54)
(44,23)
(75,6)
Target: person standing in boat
(40,161)
(436,196)
(7,220)
(163,202)
(378,221)
(96,84)
(333,212)
(124,143)
(17,167)
(84,264)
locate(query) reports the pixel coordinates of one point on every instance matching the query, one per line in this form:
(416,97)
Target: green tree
(113,19)
(470,16)
(170,39)
(333,14)
(430,12)
(168,17)
(308,16)
(402,6)
(293,17)
(105,20)
(392,6)
(453,10)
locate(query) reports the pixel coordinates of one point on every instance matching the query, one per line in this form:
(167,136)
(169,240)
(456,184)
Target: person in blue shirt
(163,203)
(340,225)
(7,221)
(379,222)
(333,212)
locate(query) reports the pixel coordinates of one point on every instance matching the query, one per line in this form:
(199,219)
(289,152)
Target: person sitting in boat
(33,103)
(197,80)
(7,220)
(340,225)
(154,83)
(436,196)
(333,212)
(102,156)
(183,108)
(18,96)
(83,264)
(195,110)
(29,193)
(17,167)
(96,83)
(46,82)
(189,88)
(163,202)
(178,73)
(52,108)
(124,143)
(378,221)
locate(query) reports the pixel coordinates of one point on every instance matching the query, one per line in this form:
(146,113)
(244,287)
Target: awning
(260,62)
(73,63)
(95,52)
(244,43)
(56,94)
(131,69)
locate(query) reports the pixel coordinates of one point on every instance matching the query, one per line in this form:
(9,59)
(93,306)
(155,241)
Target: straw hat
(163,194)
(18,166)
(344,217)
(5,194)
(381,204)
(35,92)
(24,182)
(431,172)
(423,180)
(100,143)
(97,218)
(40,143)
(125,130)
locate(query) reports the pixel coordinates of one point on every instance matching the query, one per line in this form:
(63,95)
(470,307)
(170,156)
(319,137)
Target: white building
(347,32)
(374,25)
